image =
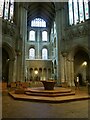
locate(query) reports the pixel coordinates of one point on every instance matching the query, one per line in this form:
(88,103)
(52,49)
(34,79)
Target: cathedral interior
(45,41)
(42,41)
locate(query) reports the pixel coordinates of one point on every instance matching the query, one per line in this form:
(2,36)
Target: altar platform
(58,95)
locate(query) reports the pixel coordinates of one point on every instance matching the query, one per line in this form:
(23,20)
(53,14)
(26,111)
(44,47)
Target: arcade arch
(81,61)
(8,59)
(78,65)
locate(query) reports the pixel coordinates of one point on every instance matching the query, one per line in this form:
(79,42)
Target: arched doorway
(5,65)
(81,61)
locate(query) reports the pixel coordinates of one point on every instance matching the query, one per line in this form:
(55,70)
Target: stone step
(40,90)
(50,95)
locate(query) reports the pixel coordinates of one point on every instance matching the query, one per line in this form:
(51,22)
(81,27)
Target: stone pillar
(72,72)
(20,19)
(11,63)
(68,73)
(60,25)
(18,66)
(14,70)
(58,29)
(65,63)
(23,33)
(16,14)
(66,14)
(47,73)
(62,70)
(65,66)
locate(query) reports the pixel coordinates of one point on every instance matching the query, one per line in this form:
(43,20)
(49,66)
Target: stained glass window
(44,36)
(38,22)
(70,12)
(31,53)
(1,7)
(81,12)
(8,7)
(32,35)
(75,12)
(78,11)
(86,9)
(44,53)
(11,9)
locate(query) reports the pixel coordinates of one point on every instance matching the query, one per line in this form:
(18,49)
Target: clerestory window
(7,9)
(78,11)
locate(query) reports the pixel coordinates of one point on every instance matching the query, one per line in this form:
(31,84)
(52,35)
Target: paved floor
(25,109)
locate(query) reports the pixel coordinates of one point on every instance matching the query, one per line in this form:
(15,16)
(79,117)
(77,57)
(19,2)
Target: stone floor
(26,109)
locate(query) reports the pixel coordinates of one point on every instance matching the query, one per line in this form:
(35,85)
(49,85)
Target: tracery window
(38,22)
(1,7)
(44,53)
(6,9)
(78,11)
(31,53)
(32,35)
(44,36)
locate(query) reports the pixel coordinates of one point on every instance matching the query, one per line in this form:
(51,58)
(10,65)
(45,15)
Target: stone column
(23,33)
(60,25)
(58,29)
(62,70)
(68,73)
(10,62)
(14,70)
(18,43)
(65,66)
(16,14)
(18,66)
(21,23)
(47,73)
(72,72)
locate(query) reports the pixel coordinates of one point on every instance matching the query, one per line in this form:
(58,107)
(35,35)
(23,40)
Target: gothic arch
(8,62)
(76,48)
(80,55)
(9,50)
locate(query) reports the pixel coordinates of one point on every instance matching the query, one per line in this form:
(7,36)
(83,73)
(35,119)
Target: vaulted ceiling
(44,10)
